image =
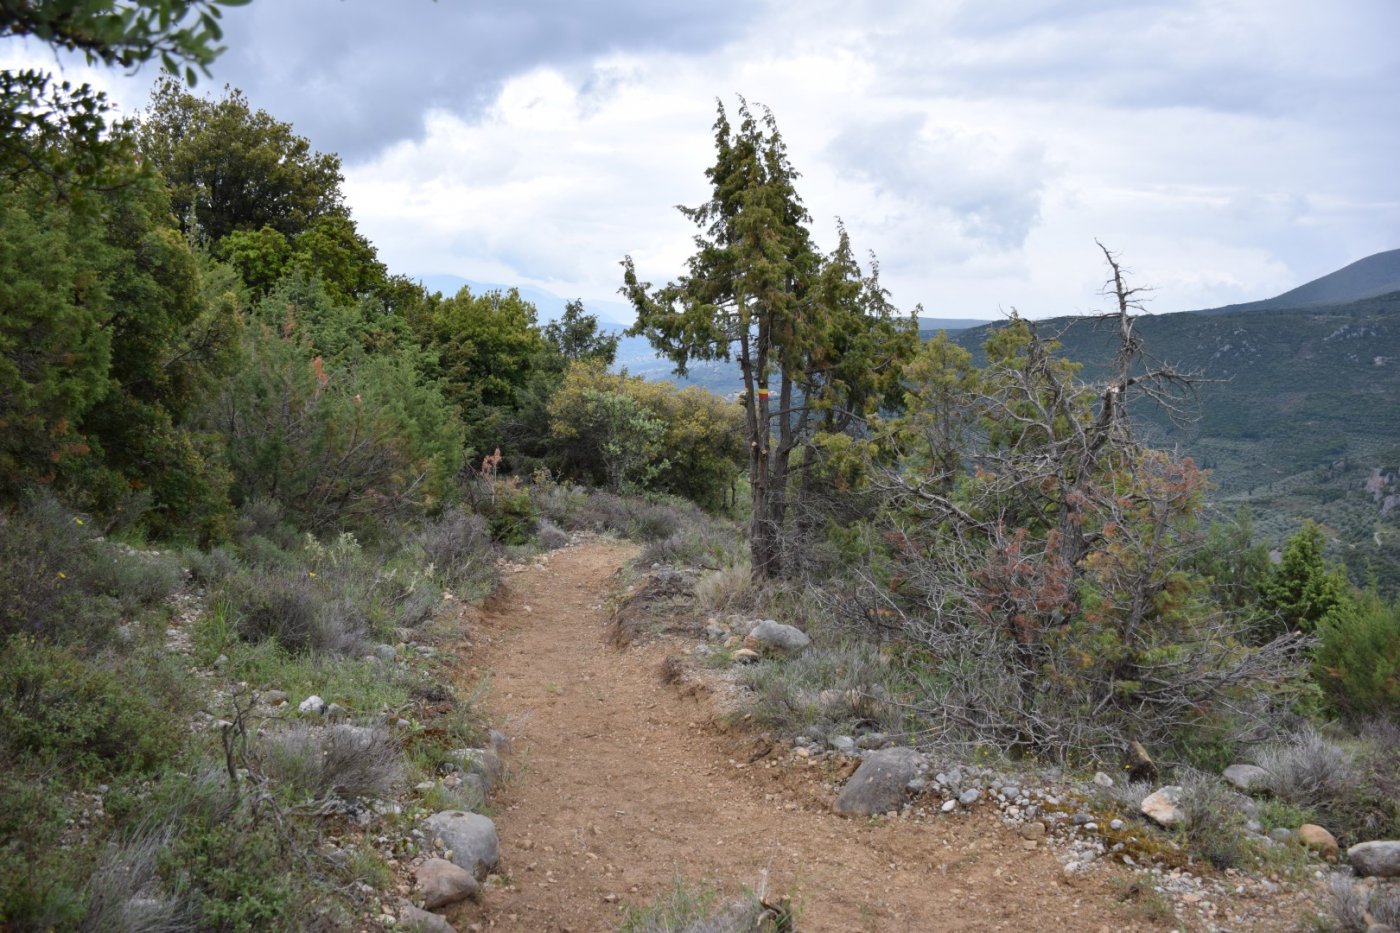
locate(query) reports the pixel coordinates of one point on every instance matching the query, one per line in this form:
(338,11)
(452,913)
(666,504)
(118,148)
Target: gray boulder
(771,636)
(469,837)
(1378,859)
(418,920)
(441,883)
(879,783)
(484,763)
(1246,777)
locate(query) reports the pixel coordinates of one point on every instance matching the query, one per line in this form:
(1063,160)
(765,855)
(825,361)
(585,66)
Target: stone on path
(1164,806)
(1246,777)
(1379,858)
(1319,840)
(879,783)
(771,636)
(441,883)
(418,920)
(470,837)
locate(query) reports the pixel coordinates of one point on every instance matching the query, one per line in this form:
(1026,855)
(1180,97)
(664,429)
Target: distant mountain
(950,324)
(1366,278)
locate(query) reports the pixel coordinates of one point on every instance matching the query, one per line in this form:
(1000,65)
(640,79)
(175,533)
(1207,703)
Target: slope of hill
(1366,278)
(1302,419)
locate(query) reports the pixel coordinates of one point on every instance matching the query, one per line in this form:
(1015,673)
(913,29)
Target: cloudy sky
(1227,149)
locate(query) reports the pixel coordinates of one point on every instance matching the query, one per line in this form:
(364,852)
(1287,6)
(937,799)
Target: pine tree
(747,297)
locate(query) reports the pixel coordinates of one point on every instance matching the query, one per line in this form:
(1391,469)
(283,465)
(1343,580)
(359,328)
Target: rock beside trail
(879,783)
(1164,806)
(470,837)
(1319,840)
(484,763)
(418,920)
(775,637)
(441,883)
(1246,777)
(1379,858)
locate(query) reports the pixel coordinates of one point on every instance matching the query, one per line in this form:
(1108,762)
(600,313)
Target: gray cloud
(357,76)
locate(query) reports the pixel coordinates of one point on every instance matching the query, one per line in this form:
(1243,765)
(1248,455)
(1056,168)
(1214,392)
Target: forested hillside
(1297,414)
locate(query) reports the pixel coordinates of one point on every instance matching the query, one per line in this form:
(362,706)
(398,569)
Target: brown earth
(621,785)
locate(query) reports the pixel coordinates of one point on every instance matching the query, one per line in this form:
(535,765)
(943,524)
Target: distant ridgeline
(1306,420)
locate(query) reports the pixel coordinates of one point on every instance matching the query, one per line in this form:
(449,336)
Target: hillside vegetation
(1297,416)
(252,483)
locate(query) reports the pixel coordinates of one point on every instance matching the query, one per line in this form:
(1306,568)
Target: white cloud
(1229,150)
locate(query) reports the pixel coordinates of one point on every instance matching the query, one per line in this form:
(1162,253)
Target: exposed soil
(622,784)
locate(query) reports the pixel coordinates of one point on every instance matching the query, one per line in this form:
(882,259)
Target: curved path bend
(620,785)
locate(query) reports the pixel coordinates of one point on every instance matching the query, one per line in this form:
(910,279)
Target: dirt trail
(622,784)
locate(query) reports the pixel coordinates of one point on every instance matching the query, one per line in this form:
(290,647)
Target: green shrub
(228,860)
(59,581)
(1358,659)
(510,511)
(98,718)
(40,887)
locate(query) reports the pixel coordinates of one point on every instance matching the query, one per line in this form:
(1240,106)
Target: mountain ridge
(1370,277)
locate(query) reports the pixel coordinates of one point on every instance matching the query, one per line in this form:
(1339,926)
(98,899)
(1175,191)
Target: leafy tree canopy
(576,336)
(230,167)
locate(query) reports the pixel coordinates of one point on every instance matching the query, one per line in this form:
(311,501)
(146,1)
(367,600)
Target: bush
(1357,660)
(101,718)
(551,536)
(1353,787)
(458,546)
(229,862)
(826,690)
(558,502)
(344,761)
(701,541)
(1213,823)
(211,567)
(1357,909)
(290,608)
(1308,770)
(59,581)
(40,883)
(509,511)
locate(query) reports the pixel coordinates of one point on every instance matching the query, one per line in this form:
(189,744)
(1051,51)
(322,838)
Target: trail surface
(622,784)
